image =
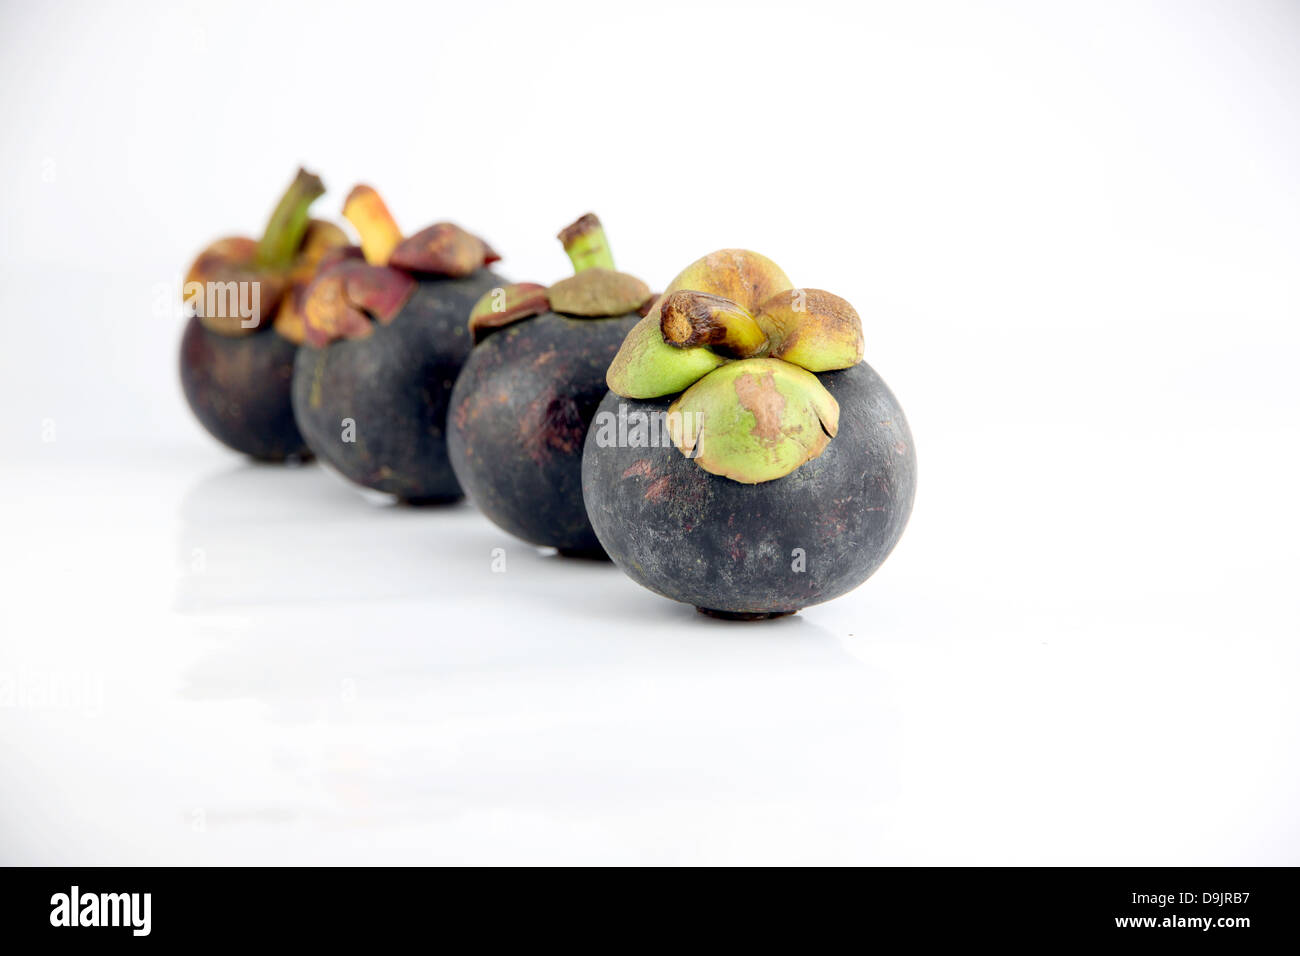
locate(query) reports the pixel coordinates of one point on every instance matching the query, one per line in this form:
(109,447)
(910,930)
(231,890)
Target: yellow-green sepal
(812,328)
(740,275)
(754,420)
(647,367)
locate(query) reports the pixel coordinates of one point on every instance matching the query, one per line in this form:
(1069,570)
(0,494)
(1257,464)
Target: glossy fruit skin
(238,387)
(395,386)
(730,547)
(519,417)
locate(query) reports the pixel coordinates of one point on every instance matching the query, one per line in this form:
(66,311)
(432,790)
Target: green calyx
(288,223)
(648,367)
(733,334)
(598,293)
(754,420)
(595,290)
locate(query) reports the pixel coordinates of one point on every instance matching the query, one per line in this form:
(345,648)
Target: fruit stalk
(365,209)
(288,223)
(689,319)
(586,245)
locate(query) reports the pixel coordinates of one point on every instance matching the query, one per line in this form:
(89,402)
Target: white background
(1073,232)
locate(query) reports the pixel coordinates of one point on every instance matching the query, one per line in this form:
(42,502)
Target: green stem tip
(586,244)
(288,224)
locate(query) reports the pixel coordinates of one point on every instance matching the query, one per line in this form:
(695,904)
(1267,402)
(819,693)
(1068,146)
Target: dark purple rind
(239,390)
(519,417)
(728,547)
(395,385)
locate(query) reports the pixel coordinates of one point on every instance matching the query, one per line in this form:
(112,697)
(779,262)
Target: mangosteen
(385,338)
(522,404)
(238,349)
(746,460)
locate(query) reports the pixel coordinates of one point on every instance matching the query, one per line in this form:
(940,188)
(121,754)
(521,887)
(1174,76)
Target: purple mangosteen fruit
(385,339)
(746,460)
(522,404)
(238,349)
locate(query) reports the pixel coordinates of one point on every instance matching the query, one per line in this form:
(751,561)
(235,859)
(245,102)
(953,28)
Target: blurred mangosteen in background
(237,352)
(746,460)
(385,336)
(523,402)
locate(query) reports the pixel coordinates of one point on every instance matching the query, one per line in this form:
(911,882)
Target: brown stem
(688,319)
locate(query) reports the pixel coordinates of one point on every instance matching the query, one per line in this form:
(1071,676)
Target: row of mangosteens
(786,472)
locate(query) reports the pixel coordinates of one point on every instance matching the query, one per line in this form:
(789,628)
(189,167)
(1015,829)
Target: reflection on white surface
(321,677)
(271,668)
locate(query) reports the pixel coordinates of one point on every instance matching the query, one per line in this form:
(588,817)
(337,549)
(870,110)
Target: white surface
(1073,236)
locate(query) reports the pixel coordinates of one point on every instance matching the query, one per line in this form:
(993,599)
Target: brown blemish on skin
(759,395)
(469,411)
(832,525)
(556,426)
(564,427)
(657,489)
